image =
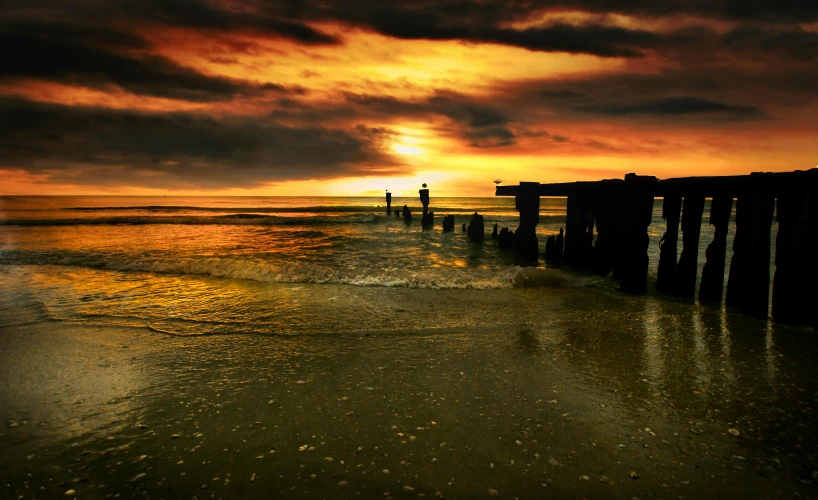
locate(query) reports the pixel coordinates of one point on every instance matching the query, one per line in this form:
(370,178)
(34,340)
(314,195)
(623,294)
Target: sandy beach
(527,392)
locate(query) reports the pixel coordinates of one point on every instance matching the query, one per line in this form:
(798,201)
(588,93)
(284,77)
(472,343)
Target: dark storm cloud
(195,14)
(88,145)
(479,124)
(706,95)
(795,44)
(603,41)
(205,15)
(491,12)
(489,137)
(483,21)
(97,57)
(778,11)
(676,106)
(490,21)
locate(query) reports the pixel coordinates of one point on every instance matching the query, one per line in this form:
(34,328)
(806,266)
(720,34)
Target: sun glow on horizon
(407,150)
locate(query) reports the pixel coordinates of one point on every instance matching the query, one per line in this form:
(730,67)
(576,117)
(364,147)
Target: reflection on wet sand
(520,391)
(68,390)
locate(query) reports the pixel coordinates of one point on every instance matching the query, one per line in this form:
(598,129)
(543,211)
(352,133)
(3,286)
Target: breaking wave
(248,219)
(230,220)
(508,276)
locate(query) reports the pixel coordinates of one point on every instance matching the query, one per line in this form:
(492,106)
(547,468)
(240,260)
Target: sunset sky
(341,97)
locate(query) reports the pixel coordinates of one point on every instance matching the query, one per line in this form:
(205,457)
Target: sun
(406,149)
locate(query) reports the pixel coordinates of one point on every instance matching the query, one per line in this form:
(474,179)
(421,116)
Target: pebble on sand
(71,492)
(734,432)
(493,492)
(343,484)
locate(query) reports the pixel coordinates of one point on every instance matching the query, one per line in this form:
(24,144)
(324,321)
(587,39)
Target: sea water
(145,261)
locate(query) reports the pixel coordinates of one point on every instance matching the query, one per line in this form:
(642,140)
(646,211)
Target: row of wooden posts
(428,218)
(620,210)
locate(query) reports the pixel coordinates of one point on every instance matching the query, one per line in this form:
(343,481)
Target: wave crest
(255,269)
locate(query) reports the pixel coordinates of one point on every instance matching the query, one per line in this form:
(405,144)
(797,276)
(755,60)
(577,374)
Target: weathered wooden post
(685,285)
(637,216)
(712,286)
(756,297)
(476,229)
(407,214)
(606,251)
(527,201)
(737,278)
(792,300)
(576,226)
(666,275)
(811,245)
(388,203)
(588,238)
(428,218)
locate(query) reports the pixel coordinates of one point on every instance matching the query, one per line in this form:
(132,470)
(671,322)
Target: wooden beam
(762,183)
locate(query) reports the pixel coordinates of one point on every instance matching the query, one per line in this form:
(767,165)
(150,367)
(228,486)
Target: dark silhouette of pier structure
(620,210)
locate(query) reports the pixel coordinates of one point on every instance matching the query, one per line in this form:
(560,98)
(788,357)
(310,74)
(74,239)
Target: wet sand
(529,393)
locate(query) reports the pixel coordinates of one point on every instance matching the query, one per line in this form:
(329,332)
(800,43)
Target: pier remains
(606,229)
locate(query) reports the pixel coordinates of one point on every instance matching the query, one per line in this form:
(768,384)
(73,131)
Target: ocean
(234,347)
(134,253)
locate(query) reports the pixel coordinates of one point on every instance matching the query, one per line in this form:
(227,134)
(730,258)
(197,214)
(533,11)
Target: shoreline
(570,380)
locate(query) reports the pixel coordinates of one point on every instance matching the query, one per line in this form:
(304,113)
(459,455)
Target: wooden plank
(761,183)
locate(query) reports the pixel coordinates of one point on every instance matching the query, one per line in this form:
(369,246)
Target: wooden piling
(756,297)
(692,210)
(427,220)
(528,204)
(737,277)
(588,239)
(791,299)
(712,286)
(638,214)
(666,275)
(576,225)
(811,274)
(606,249)
(388,203)
(622,210)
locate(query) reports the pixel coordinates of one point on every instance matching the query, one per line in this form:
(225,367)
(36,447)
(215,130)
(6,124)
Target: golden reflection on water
(715,351)
(654,367)
(770,353)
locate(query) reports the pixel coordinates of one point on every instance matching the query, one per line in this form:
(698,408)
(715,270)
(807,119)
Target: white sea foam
(256,269)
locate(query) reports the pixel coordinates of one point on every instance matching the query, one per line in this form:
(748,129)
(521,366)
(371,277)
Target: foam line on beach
(237,219)
(256,269)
